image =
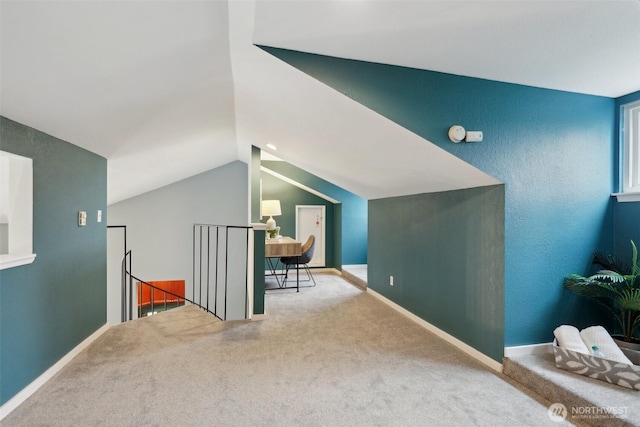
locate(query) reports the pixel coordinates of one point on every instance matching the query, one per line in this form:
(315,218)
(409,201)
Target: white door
(310,219)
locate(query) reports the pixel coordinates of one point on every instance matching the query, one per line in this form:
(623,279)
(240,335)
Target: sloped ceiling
(146,84)
(168,89)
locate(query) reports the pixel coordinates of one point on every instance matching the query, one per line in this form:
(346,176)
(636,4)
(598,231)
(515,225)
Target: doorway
(311,220)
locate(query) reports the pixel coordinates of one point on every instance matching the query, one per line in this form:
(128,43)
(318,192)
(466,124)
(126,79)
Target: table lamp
(271,208)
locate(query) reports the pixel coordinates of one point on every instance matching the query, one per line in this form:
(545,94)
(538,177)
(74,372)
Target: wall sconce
(271,208)
(457,133)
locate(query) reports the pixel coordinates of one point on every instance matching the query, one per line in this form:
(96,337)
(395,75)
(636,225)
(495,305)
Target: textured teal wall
(553,150)
(351,237)
(446,256)
(255,176)
(627,228)
(258,253)
(52,305)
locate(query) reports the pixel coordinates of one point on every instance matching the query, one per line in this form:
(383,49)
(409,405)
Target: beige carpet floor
(592,401)
(331,355)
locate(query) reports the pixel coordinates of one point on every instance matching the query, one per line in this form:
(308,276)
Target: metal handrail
(127,294)
(154,288)
(205,261)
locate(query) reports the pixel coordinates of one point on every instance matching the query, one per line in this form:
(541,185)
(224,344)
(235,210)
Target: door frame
(321,262)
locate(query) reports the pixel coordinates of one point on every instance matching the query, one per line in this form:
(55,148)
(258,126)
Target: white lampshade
(271,208)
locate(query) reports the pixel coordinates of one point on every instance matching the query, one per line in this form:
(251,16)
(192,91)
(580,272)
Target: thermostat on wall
(456,133)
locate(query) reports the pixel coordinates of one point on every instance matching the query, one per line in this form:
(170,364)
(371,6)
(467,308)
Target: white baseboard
(481,357)
(523,350)
(319,270)
(328,270)
(26,392)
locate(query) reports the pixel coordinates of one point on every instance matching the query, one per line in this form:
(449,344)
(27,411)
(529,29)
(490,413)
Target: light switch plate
(82,218)
(99,219)
(474,136)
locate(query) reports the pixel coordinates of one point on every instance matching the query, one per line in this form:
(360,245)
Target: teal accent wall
(50,306)
(349,244)
(446,256)
(553,150)
(338,231)
(627,214)
(258,272)
(627,228)
(259,236)
(255,176)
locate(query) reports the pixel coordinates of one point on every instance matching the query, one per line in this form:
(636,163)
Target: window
(16,210)
(630,137)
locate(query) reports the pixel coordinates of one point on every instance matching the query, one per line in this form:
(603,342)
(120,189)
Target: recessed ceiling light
(273,147)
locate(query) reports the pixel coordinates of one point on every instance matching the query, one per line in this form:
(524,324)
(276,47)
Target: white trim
(258,317)
(26,392)
(627,197)
(481,357)
(10,260)
(16,209)
(258,226)
(299,185)
(318,270)
(524,350)
(328,270)
(630,147)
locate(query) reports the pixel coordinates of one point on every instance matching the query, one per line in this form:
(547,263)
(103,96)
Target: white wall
(160,225)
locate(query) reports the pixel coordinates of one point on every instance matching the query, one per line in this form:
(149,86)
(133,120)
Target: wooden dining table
(283,247)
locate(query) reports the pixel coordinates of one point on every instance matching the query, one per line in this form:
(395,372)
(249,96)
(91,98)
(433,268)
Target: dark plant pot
(634,344)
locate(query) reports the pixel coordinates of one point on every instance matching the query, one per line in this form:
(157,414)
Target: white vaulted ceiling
(168,89)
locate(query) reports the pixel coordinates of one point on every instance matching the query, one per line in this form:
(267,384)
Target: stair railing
(128,293)
(220,275)
(221,269)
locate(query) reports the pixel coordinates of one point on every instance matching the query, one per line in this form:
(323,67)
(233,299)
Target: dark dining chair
(302,260)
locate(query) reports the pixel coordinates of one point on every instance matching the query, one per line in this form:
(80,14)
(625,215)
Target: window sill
(627,197)
(9,261)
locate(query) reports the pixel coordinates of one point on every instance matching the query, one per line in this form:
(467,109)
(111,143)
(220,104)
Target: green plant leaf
(608,275)
(635,268)
(588,287)
(609,262)
(615,286)
(630,299)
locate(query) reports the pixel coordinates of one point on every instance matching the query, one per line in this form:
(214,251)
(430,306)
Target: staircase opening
(220,278)
(157,296)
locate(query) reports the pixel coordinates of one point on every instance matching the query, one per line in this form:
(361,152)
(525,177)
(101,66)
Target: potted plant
(617,287)
(273,232)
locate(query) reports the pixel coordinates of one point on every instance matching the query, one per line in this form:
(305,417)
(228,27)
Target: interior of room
(158,115)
